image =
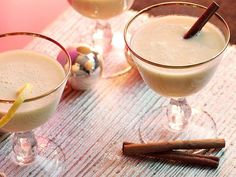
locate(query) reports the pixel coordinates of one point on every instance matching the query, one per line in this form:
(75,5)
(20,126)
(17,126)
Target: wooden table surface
(90,126)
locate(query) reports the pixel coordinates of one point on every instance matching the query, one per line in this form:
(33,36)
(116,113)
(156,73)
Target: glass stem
(102,37)
(24,147)
(178,113)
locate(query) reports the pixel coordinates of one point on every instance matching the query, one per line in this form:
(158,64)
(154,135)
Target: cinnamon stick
(175,155)
(184,159)
(134,148)
(180,153)
(202,20)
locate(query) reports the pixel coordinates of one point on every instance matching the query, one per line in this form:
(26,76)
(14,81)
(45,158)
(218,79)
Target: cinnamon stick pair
(167,151)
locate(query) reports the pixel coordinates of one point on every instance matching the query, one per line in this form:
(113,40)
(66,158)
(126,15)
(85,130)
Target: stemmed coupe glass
(26,153)
(105,41)
(177,120)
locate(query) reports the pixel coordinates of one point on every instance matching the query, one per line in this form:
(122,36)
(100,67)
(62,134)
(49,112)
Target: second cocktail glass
(36,65)
(176,78)
(105,41)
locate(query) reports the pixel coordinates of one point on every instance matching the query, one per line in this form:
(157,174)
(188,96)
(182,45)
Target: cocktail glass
(30,154)
(105,41)
(177,120)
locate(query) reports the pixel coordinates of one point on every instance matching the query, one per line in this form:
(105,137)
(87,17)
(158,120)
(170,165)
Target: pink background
(29,15)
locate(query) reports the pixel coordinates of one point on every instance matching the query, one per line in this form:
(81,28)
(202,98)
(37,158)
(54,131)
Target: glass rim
(37,35)
(174,66)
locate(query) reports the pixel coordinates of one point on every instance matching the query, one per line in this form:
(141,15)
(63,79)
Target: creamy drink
(100,9)
(18,67)
(161,41)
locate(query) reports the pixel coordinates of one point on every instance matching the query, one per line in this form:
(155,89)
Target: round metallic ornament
(86,66)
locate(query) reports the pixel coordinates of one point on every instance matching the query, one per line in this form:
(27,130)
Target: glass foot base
(49,162)
(155,127)
(114,60)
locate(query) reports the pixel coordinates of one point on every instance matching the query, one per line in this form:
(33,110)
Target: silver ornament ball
(86,68)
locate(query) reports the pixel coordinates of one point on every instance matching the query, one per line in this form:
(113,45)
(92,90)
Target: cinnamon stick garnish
(202,20)
(180,153)
(190,159)
(177,155)
(134,148)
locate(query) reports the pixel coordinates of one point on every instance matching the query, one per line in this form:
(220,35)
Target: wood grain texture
(90,126)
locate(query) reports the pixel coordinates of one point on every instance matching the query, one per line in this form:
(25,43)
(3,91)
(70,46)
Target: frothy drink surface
(20,67)
(161,40)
